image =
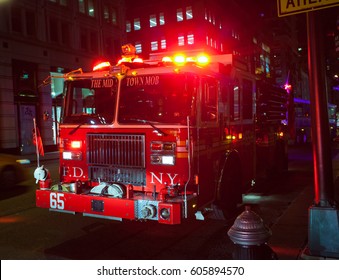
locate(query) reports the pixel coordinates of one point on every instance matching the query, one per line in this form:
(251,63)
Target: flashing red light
(101,65)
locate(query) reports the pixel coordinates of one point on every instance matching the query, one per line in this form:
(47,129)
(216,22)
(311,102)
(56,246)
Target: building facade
(46,38)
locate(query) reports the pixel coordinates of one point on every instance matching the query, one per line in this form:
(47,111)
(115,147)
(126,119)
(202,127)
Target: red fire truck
(163,139)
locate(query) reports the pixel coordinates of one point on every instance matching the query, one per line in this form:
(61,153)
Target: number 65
(56,200)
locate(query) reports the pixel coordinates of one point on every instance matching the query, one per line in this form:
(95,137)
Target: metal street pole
(323,236)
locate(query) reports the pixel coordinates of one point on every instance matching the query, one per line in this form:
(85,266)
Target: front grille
(117,158)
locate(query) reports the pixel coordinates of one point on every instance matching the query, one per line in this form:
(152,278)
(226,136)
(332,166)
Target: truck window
(166,98)
(90,101)
(209,99)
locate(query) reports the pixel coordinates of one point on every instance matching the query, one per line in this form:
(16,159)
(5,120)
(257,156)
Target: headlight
(72,155)
(159,159)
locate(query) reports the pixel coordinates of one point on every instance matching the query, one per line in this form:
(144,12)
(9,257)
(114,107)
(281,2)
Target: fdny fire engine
(163,139)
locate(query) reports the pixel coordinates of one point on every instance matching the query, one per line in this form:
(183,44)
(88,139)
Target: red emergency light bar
(101,66)
(178,59)
(181,59)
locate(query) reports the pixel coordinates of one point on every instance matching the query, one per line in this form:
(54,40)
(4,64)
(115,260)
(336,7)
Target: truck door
(208,138)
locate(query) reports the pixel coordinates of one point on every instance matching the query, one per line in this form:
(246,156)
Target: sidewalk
(290,234)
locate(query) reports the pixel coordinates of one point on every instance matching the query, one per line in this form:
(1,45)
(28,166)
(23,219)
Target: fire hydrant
(250,236)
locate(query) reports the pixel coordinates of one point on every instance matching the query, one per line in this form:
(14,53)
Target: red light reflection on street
(10,219)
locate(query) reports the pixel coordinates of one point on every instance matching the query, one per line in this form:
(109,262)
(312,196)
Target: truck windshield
(90,101)
(157,98)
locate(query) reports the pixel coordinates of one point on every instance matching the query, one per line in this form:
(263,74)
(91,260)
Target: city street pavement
(289,238)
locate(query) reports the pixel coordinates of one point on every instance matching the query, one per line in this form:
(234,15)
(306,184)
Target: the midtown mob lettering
(151,80)
(102,83)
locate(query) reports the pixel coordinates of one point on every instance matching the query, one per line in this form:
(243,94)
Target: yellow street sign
(290,7)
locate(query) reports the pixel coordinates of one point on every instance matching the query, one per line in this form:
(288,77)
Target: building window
(16,19)
(114,16)
(189,13)
(82,6)
(65,34)
(83,40)
(137,25)
(90,8)
(154,45)
(53,30)
(86,7)
(163,44)
(128,26)
(161,19)
(110,15)
(138,48)
(30,23)
(60,2)
(152,21)
(106,14)
(181,40)
(190,39)
(180,15)
(94,42)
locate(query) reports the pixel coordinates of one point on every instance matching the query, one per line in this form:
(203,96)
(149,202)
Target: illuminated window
(60,2)
(154,45)
(180,15)
(138,48)
(163,44)
(86,7)
(110,15)
(90,8)
(128,26)
(152,21)
(190,39)
(137,25)
(189,13)
(106,14)
(161,19)
(82,6)
(181,40)
(114,17)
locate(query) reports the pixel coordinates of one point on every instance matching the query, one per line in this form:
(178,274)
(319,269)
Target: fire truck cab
(162,139)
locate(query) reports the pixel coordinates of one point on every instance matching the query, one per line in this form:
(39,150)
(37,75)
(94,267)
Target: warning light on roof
(179,59)
(101,65)
(202,59)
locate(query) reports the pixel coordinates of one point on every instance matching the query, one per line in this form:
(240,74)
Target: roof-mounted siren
(129,55)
